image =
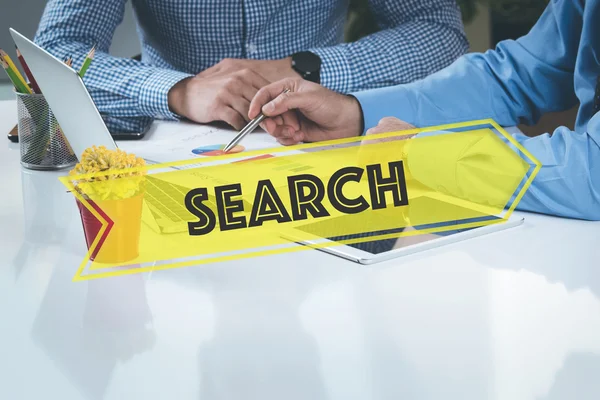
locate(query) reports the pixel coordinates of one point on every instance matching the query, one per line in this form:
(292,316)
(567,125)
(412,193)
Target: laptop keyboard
(168,199)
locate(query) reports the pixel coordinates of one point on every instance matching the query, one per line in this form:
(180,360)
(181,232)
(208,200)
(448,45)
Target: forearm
(413,44)
(120,87)
(517,82)
(568,183)
(506,85)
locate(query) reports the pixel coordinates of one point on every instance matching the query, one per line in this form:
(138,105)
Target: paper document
(177,141)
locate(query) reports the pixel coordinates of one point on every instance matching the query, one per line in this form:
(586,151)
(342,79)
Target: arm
(125,89)
(417,38)
(518,82)
(568,184)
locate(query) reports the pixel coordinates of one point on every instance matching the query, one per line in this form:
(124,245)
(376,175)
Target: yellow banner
(266,202)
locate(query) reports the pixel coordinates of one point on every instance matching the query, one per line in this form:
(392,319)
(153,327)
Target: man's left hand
(271,70)
(390,124)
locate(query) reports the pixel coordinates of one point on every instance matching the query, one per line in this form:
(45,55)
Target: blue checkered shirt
(181,38)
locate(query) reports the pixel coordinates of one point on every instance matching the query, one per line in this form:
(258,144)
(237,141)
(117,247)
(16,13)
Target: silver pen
(252,125)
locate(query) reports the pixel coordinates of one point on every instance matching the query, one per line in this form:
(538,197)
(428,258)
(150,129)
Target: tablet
(373,251)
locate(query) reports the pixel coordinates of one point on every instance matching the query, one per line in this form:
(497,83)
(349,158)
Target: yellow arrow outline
(68,182)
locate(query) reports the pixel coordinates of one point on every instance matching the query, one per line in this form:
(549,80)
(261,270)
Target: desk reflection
(260,348)
(48,211)
(88,339)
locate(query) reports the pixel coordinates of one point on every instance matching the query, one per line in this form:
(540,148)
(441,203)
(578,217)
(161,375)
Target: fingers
(241,90)
(232,117)
(390,124)
(268,125)
(289,101)
(225,66)
(270,92)
(253,83)
(289,119)
(392,121)
(374,130)
(289,141)
(236,94)
(240,105)
(247,90)
(245,84)
(287,135)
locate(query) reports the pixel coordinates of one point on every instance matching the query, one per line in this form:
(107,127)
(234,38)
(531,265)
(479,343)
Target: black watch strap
(307,65)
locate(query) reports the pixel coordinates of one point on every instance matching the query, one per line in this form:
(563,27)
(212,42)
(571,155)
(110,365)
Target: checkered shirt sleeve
(182,38)
(417,38)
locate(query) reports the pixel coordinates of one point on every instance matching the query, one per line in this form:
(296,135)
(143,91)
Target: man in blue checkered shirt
(205,60)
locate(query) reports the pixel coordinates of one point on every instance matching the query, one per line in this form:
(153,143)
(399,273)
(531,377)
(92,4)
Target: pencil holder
(42,142)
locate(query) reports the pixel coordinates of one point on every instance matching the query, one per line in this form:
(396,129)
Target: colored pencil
(32,81)
(4,65)
(87,62)
(15,72)
(19,86)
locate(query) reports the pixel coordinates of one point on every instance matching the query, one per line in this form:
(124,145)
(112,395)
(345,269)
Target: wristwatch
(308,65)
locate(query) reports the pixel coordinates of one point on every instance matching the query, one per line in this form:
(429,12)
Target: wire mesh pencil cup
(42,142)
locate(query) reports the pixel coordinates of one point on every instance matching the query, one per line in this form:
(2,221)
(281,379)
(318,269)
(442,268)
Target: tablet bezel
(362,257)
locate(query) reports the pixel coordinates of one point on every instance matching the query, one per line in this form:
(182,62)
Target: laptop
(84,127)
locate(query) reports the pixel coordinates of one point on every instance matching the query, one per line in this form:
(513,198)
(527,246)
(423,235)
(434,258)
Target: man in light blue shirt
(204,60)
(550,69)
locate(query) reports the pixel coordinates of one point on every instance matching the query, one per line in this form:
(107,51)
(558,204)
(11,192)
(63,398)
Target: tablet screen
(380,246)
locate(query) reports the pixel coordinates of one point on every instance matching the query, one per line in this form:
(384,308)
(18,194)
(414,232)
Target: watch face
(307,61)
(307,64)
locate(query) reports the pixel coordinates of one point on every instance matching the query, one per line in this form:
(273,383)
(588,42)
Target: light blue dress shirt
(550,69)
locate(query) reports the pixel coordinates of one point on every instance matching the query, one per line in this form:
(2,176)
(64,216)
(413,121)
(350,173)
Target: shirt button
(251,48)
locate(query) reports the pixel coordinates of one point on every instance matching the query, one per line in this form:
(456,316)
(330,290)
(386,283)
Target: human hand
(390,124)
(395,144)
(308,113)
(271,70)
(224,97)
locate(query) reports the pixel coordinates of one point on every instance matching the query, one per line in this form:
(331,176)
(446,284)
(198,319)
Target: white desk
(510,316)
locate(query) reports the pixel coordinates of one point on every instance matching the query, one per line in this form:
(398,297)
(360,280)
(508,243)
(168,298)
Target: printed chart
(216,150)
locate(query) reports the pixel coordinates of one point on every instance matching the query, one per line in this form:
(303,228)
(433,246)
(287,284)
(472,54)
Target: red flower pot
(120,241)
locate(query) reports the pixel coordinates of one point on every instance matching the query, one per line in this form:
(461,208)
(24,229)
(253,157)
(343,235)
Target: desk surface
(514,315)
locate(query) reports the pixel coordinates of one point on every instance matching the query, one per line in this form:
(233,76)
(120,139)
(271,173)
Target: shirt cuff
(335,70)
(385,102)
(154,100)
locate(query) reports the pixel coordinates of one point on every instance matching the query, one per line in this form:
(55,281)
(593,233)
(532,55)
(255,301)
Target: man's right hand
(308,113)
(216,98)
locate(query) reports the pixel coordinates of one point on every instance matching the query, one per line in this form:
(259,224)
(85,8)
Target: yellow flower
(113,182)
